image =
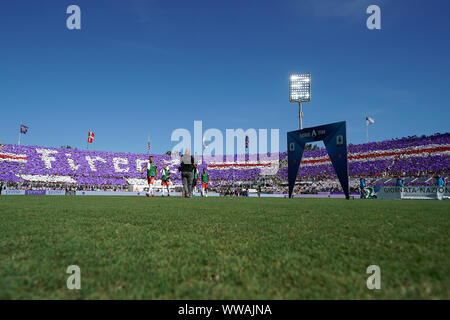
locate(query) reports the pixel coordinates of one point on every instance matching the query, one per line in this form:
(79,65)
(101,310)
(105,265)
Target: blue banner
(334,136)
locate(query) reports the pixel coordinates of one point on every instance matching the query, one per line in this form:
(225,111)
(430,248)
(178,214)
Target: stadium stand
(416,159)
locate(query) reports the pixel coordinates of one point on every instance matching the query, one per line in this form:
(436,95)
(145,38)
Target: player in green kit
(151,175)
(205,180)
(195,179)
(165,176)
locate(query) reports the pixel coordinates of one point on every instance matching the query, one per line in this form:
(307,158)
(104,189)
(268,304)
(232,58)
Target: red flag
(90,137)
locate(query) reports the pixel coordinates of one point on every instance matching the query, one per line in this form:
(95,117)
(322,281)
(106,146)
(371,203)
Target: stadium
(350,202)
(243,228)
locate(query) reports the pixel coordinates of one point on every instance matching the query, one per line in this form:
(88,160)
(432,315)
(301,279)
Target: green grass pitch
(222,248)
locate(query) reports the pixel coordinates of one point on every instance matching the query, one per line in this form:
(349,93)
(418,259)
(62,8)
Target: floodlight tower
(300,91)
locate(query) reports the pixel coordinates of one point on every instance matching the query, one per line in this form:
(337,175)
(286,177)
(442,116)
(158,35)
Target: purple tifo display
(406,156)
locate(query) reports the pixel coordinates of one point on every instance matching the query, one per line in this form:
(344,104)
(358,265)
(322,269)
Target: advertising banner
(414,192)
(35,192)
(55,192)
(13,192)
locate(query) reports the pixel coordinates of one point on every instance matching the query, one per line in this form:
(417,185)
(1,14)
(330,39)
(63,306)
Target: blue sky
(139,68)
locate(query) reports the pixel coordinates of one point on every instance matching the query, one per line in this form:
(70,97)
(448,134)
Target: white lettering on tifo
(139,164)
(46,156)
(120,161)
(71,162)
(92,160)
(75,161)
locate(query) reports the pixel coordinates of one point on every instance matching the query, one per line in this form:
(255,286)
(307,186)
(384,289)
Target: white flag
(369,120)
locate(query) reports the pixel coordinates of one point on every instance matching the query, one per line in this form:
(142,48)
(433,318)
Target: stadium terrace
(413,157)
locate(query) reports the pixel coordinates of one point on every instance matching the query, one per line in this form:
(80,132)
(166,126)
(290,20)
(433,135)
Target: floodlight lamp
(300,88)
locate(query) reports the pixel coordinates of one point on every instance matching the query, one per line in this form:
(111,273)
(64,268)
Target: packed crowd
(416,159)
